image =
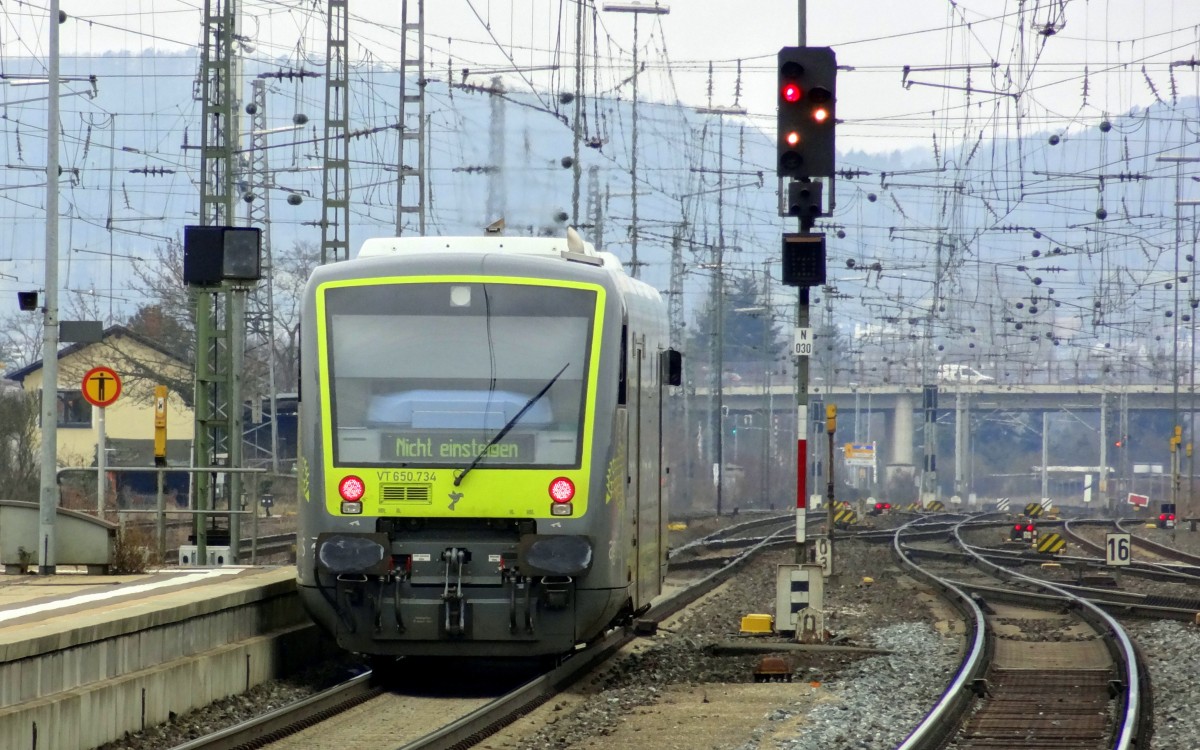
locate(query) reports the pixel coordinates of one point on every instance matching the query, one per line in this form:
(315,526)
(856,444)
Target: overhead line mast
(220,308)
(261,321)
(335,193)
(411,181)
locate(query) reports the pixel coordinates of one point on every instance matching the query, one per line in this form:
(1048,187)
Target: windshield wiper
(504,430)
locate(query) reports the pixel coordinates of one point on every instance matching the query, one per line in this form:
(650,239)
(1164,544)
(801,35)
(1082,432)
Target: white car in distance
(962,374)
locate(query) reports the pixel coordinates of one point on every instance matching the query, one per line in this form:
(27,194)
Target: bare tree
(20,467)
(169,318)
(291,275)
(21,339)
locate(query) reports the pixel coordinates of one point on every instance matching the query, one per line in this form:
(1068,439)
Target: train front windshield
(442,374)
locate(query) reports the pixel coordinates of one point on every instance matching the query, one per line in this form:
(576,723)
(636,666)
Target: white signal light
(352,489)
(792,138)
(820,114)
(562,490)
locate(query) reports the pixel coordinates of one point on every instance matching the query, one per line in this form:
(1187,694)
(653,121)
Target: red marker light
(352,489)
(791,93)
(562,490)
(1171,517)
(1017,527)
(1029,527)
(1162,516)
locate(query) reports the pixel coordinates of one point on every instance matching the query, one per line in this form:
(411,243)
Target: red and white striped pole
(801,476)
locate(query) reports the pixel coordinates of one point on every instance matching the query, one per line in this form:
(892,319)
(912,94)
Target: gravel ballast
(837,700)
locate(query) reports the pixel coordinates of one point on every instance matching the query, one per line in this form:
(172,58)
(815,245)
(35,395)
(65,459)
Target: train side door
(644,520)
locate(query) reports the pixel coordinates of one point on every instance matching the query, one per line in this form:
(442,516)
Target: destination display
(442,446)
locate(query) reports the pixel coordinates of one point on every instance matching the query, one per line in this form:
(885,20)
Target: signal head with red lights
(807,82)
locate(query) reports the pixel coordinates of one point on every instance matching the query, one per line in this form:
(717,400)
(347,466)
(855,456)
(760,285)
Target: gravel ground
(259,700)
(863,702)
(850,700)
(838,700)
(1172,650)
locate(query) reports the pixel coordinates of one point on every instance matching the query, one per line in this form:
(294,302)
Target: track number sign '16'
(101,386)
(1117,549)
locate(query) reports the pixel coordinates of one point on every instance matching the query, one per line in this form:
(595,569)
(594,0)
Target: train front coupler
(454,605)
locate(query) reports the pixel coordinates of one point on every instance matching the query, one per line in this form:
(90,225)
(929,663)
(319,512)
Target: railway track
(373,711)
(1047,671)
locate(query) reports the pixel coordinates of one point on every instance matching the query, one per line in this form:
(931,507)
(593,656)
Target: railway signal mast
(805,149)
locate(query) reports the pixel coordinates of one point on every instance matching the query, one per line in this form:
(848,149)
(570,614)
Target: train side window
(622,378)
(672,367)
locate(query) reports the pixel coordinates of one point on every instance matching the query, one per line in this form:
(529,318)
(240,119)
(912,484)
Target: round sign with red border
(101,386)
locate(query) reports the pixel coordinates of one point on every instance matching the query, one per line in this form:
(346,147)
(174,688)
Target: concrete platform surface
(45,613)
(85,659)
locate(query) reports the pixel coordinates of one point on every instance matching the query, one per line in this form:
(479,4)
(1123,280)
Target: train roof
(571,247)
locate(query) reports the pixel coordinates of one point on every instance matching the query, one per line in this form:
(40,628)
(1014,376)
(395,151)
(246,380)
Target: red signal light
(352,489)
(790,92)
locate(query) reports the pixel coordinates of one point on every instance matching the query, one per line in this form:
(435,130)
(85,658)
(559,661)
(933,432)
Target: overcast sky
(520,39)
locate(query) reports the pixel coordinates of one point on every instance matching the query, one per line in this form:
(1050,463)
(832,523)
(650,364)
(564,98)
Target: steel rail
(941,721)
(1158,548)
(943,718)
(1017,558)
(494,715)
(489,718)
(1119,644)
(288,719)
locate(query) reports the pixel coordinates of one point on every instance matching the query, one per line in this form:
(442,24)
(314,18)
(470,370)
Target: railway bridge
(892,414)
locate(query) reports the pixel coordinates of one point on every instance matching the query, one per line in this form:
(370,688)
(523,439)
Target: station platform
(86,658)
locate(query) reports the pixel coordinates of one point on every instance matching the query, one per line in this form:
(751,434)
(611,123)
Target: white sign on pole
(1117,550)
(824,553)
(801,524)
(802,342)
